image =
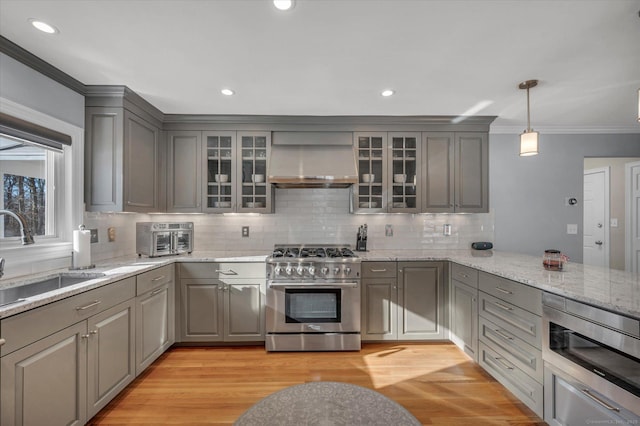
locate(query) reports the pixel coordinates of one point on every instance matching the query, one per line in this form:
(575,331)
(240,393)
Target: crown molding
(18,53)
(560,130)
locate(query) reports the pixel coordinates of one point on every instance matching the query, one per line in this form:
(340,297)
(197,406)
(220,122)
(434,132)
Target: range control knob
(336,270)
(312,270)
(324,270)
(347,270)
(300,270)
(277,270)
(289,270)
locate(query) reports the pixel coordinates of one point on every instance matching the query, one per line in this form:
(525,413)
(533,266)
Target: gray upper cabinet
(404,173)
(122,151)
(456,172)
(184,172)
(370,194)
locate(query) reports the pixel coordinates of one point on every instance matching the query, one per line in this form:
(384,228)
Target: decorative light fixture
(283,4)
(387,92)
(227,92)
(529,138)
(43,26)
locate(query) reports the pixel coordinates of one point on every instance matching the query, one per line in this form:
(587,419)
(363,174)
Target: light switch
(388,230)
(614,222)
(572,228)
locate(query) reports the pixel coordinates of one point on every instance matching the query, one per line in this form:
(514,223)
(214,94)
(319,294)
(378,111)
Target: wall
(302,216)
(528,193)
(617,204)
(27,87)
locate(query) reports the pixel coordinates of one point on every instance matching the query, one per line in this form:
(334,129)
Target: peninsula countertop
(615,290)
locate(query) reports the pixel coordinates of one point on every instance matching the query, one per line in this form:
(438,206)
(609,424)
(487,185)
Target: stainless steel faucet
(24,227)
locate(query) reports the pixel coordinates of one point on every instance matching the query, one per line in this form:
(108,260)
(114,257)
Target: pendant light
(529,138)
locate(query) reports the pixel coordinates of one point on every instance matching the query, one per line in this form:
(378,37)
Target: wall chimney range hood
(312,160)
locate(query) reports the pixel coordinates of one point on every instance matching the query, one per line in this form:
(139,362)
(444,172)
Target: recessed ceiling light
(227,92)
(388,92)
(283,4)
(43,26)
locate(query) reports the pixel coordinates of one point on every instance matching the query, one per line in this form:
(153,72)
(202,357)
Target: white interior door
(632,222)
(595,250)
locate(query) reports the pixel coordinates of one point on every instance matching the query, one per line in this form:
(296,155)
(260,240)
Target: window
(28,186)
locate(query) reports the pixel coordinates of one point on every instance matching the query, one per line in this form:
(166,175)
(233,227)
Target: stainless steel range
(313,298)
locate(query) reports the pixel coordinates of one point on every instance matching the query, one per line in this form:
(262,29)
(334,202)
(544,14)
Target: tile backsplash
(301,216)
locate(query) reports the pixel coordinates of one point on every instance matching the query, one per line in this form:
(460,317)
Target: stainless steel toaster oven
(163,239)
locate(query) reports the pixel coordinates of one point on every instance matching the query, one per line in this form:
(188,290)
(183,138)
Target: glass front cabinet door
(254,192)
(369,195)
(404,172)
(220,172)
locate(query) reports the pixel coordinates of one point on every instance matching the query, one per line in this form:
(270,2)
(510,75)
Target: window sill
(39,257)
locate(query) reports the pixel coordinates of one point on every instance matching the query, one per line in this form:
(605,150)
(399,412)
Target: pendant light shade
(529,138)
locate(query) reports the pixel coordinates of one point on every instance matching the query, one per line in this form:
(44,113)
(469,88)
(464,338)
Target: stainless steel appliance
(313,298)
(163,239)
(596,348)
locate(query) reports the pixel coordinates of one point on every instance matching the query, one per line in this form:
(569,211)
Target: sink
(18,293)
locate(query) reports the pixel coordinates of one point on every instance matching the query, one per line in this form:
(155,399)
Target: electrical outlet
(446,229)
(111,233)
(245,231)
(388,230)
(94,235)
(572,228)
(614,222)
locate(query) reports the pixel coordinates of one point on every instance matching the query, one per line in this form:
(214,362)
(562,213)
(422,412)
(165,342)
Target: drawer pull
(501,306)
(463,275)
(161,277)
(503,291)
(2,342)
(227,272)
(90,305)
(599,401)
(156,291)
(503,364)
(379,270)
(501,334)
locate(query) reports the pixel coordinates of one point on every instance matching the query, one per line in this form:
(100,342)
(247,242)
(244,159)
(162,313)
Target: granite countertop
(615,290)
(611,289)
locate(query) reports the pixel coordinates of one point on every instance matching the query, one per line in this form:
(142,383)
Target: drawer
(223,270)
(521,354)
(521,295)
(378,269)
(153,279)
(510,376)
(517,321)
(464,274)
(25,328)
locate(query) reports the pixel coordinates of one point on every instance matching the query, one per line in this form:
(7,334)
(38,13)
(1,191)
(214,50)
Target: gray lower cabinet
(403,301)
(464,318)
(65,361)
(569,402)
(226,304)
(510,337)
(155,315)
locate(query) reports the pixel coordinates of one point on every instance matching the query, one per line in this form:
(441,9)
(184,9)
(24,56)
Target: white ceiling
(333,57)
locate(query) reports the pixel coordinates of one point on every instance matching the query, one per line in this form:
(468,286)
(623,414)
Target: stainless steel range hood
(312,160)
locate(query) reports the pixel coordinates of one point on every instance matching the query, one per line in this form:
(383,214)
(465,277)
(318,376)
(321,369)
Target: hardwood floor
(437,383)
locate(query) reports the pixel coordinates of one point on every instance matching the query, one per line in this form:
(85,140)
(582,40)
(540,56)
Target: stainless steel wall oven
(599,349)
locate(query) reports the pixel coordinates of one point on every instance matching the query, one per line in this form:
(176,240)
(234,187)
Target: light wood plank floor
(437,383)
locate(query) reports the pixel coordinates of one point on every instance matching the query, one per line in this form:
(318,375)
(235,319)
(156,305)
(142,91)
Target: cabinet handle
(379,270)
(599,401)
(90,305)
(156,291)
(227,272)
(93,332)
(503,364)
(503,291)
(84,336)
(501,306)
(161,277)
(501,334)
(2,342)
(463,275)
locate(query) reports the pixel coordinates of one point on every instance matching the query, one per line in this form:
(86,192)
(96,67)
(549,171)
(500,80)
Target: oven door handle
(311,286)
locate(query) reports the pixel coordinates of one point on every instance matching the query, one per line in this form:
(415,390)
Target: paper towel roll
(81,248)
